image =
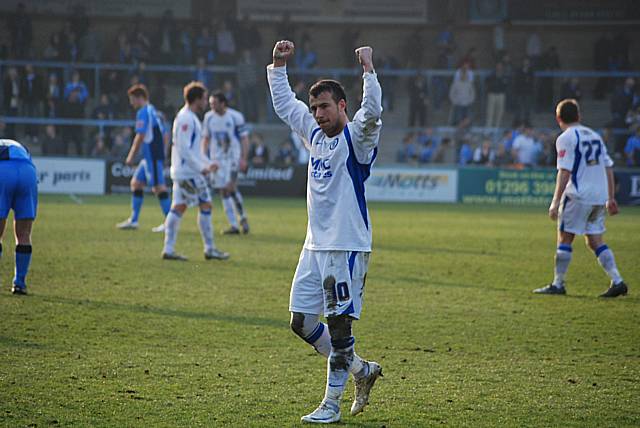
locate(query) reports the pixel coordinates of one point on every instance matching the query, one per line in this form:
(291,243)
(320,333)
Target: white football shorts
(191,191)
(227,171)
(581,219)
(329,283)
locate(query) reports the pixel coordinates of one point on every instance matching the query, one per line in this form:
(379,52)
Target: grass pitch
(111,335)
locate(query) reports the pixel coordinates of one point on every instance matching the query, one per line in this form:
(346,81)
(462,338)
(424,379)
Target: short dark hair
(193,91)
(221,97)
(328,85)
(138,90)
(568,110)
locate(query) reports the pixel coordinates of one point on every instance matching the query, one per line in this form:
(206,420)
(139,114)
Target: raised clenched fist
(282,51)
(365,57)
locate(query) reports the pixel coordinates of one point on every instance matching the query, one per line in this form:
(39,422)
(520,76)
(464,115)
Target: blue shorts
(150,172)
(18,189)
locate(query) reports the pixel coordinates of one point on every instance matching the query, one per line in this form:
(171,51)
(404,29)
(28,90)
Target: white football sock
(206,230)
(227,203)
(563,258)
(172,224)
(608,263)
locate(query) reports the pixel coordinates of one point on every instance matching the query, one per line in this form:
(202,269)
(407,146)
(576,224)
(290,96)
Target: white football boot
(324,414)
(158,229)
(127,225)
(363,387)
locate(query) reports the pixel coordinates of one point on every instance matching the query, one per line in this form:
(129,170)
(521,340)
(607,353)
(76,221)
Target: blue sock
(23,259)
(0,249)
(165,202)
(136,204)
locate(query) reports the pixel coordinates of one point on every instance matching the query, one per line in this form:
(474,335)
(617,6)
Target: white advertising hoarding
(66,175)
(412,185)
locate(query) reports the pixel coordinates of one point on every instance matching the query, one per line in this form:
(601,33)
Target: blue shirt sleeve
(142,121)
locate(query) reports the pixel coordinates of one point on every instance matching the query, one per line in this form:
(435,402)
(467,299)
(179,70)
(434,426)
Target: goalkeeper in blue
(18,192)
(330,276)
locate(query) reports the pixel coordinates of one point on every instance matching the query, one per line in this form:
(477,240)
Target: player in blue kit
(18,192)
(330,276)
(150,134)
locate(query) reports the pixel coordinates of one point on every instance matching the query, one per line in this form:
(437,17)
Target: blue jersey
(12,150)
(149,124)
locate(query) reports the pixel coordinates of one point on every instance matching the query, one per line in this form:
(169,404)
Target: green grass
(111,335)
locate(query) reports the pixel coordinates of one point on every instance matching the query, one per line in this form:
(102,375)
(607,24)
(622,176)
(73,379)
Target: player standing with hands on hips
(331,272)
(584,192)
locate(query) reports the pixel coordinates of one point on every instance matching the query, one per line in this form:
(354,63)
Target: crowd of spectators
(507,94)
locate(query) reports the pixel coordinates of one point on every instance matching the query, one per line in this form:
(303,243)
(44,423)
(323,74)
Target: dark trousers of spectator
(417,114)
(10,130)
(459,114)
(73,135)
(31,108)
(524,103)
(249,102)
(545,94)
(439,91)
(495,109)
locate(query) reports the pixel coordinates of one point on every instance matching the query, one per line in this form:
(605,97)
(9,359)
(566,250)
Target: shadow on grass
(402,247)
(146,309)
(19,343)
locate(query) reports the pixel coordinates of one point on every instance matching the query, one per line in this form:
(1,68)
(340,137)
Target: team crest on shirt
(139,124)
(185,127)
(333,144)
(561,153)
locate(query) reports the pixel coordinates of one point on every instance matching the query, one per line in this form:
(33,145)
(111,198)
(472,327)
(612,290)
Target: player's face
(327,112)
(216,105)
(135,101)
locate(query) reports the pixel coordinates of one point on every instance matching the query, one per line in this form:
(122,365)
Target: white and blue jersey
(338,166)
(18,181)
(187,158)
(225,132)
(149,124)
(582,152)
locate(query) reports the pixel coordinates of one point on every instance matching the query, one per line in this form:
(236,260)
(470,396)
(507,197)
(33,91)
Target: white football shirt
(224,132)
(187,159)
(338,166)
(582,152)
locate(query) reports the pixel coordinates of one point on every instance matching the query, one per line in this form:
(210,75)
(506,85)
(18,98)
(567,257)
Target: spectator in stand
(53,51)
(286,29)
(633,119)
(632,149)
(499,44)
(526,150)
(465,155)
(21,31)
(602,52)
(306,58)
(123,48)
(523,91)
(70,47)
(140,46)
(248,91)
(226,43)
(620,53)
(248,36)
(427,151)
(99,149)
(52,145)
(53,97)
(205,45)
(387,82)
(166,39)
(259,152)
(462,94)
(621,102)
(550,61)
(230,94)
(502,157)
(202,74)
(348,39)
(446,152)
(484,154)
(119,147)
(496,84)
(534,49)
(439,83)
(286,153)
(418,100)
(79,21)
(469,58)
(12,98)
(571,89)
(32,94)
(91,46)
(75,98)
(408,152)
(104,111)
(549,155)
(186,44)
(413,49)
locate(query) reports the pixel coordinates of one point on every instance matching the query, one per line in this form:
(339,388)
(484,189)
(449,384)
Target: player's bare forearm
(205,145)
(135,146)
(612,204)
(562,179)
(282,51)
